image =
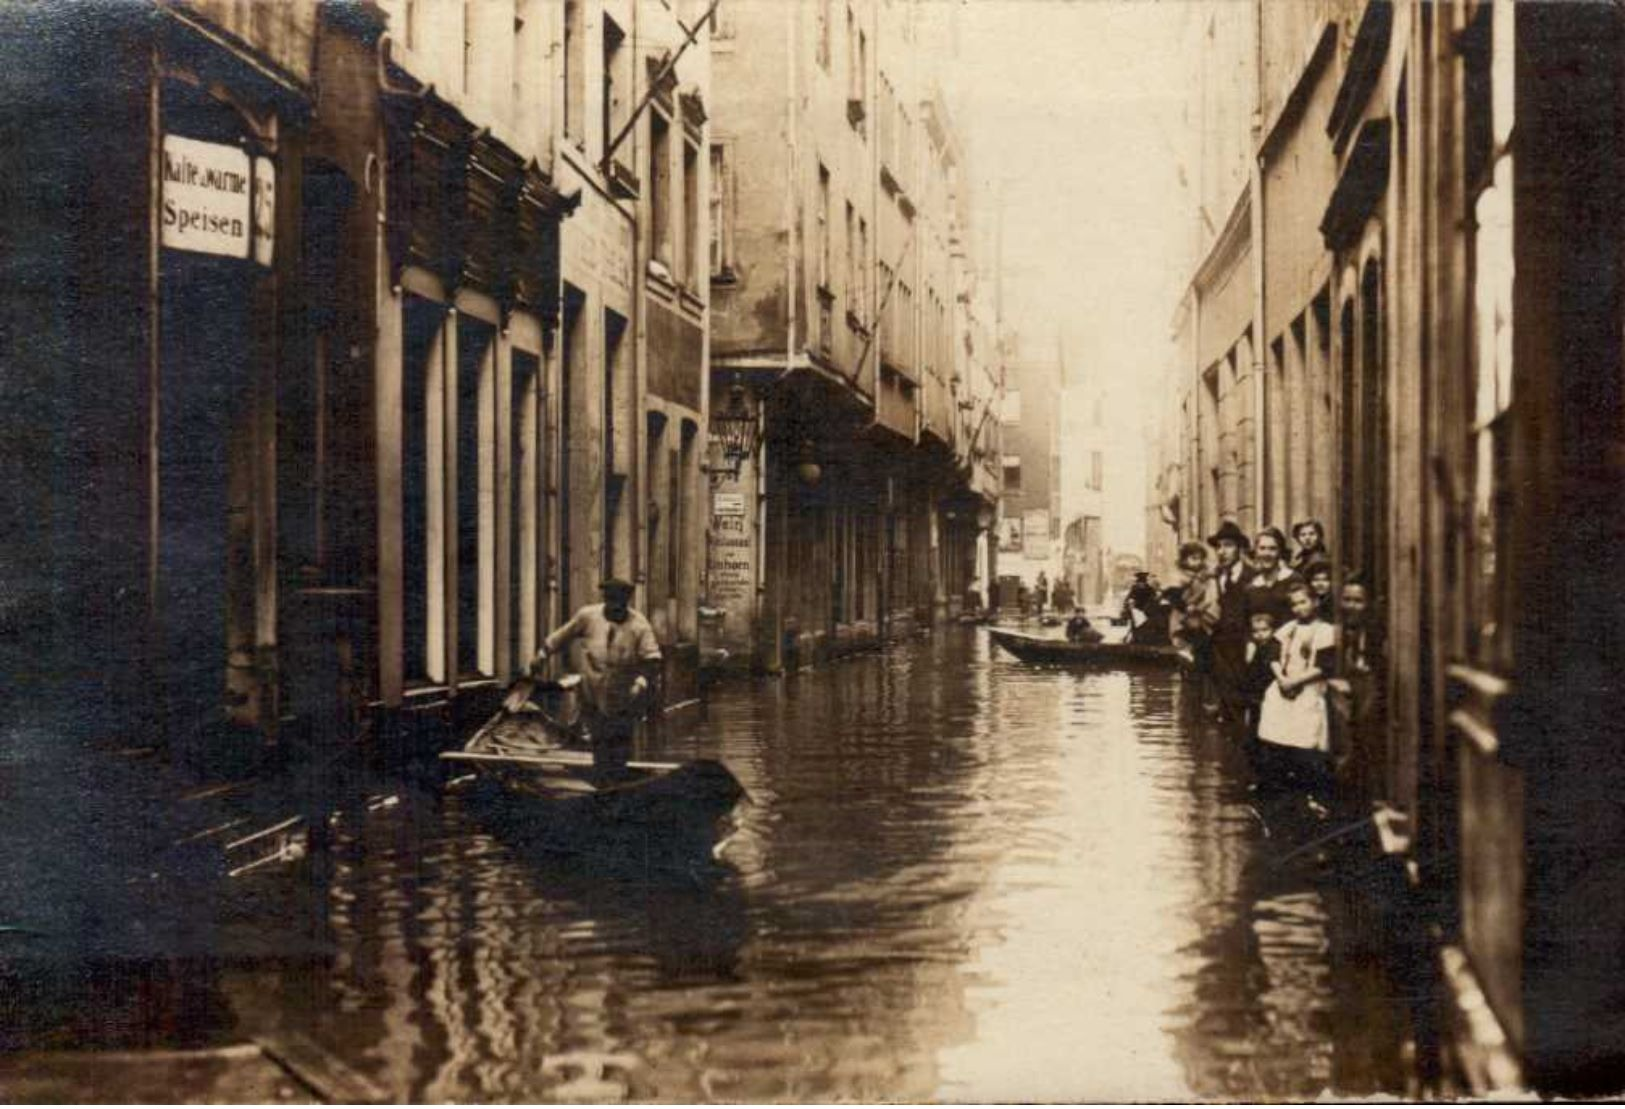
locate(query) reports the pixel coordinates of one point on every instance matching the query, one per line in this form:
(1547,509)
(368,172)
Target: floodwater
(959,878)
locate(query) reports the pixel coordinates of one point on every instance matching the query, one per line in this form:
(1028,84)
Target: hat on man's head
(1229,530)
(616,587)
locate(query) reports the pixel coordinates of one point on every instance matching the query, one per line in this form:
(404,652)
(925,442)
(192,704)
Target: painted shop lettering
(207,189)
(186,219)
(183,171)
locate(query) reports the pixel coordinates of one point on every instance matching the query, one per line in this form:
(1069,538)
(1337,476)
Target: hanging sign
(205,197)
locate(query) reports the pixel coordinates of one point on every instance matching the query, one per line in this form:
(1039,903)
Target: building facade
(412,301)
(1391,333)
(1030,525)
(1083,492)
(848,323)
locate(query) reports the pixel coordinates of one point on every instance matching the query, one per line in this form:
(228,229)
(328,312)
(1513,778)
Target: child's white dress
(1300,721)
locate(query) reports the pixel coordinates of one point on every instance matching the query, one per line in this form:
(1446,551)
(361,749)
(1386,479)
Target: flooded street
(958,878)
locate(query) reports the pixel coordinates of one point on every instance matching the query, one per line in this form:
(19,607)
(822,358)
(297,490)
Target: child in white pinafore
(1293,726)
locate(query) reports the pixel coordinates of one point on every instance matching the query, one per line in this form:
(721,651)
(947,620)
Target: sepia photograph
(811,551)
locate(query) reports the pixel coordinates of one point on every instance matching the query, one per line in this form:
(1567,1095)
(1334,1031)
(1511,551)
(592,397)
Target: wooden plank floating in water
(333,1080)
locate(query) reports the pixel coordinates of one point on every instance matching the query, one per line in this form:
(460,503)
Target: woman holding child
(1267,589)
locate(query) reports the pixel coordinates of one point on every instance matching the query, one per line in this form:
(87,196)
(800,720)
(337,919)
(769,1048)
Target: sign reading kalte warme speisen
(207,197)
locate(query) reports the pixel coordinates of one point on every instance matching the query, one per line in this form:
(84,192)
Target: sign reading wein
(207,197)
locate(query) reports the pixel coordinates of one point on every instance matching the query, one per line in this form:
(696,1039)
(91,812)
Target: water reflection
(960,878)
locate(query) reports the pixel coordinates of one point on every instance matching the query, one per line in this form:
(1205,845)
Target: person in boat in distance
(618,653)
(1079,630)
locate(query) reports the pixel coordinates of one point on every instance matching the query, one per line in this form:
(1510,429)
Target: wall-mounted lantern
(735,432)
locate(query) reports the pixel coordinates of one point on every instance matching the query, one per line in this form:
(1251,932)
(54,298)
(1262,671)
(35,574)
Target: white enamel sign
(207,197)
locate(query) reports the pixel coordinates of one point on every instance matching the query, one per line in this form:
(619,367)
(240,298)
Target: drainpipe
(1255,186)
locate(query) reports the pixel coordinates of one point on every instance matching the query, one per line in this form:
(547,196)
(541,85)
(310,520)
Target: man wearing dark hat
(1230,578)
(1144,611)
(618,654)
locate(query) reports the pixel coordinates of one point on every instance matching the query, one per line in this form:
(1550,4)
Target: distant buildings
(1083,490)
(1030,531)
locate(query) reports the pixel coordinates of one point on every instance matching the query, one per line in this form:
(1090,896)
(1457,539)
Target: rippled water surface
(959,878)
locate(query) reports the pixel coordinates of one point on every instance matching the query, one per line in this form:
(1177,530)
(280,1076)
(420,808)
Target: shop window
(1374,429)
(1349,539)
(476,496)
(1298,436)
(674,525)
(527,504)
(659,521)
(684,543)
(1208,447)
(421,503)
(572,369)
(614,479)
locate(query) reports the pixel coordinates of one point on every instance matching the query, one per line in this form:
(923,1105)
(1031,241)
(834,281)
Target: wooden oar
(570,759)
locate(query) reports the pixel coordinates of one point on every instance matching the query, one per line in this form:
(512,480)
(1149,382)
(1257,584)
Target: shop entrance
(206,415)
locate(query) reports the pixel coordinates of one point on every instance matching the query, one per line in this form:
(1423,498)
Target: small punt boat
(544,793)
(1053,651)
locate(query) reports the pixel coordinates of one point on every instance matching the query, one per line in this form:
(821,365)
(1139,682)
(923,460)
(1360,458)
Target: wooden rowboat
(1051,651)
(547,793)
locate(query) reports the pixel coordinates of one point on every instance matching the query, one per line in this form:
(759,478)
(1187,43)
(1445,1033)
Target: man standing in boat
(618,655)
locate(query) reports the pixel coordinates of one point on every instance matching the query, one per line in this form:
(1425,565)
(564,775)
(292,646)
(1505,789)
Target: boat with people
(1095,654)
(528,770)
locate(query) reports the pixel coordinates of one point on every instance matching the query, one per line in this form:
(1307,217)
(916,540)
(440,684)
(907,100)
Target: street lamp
(734,433)
(808,469)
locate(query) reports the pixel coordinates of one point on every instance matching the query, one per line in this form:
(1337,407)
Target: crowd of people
(1289,668)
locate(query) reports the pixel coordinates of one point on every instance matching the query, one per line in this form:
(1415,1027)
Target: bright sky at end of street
(1072,112)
